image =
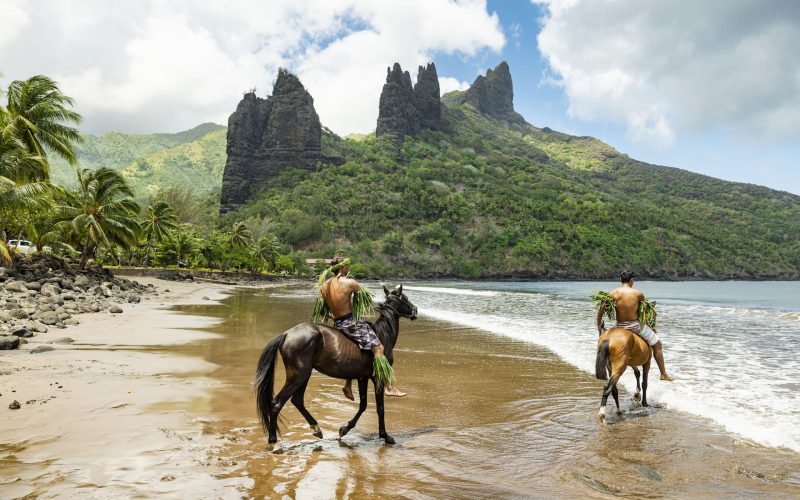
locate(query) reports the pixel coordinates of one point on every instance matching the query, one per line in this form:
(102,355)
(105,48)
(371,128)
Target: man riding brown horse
(337,291)
(627,301)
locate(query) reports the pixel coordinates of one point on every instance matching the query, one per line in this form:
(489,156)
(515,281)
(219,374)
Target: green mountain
(488,197)
(497,198)
(150,162)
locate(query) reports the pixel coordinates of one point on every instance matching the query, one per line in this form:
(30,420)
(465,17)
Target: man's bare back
(628,299)
(337,292)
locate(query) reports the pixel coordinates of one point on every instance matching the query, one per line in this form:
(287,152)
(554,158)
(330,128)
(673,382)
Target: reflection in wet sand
(485,416)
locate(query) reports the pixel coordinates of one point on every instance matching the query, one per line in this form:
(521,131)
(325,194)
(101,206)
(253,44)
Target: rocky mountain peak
(493,94)
(268,135)
(406,110)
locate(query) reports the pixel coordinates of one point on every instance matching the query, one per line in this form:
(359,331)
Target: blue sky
(712,86)
(714,150)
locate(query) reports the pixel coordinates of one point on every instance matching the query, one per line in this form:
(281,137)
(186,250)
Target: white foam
(730,362)
(453,291)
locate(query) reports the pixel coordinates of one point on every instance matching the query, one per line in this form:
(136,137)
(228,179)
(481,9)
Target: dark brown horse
(617,349)
(310,346)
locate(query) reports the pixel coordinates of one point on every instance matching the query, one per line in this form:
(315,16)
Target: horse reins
(387,306)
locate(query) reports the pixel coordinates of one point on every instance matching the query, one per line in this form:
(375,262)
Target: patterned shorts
(647,334)
(358,331)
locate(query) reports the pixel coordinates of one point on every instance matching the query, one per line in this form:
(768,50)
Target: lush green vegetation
(500,200)
(486,199)
(96,215)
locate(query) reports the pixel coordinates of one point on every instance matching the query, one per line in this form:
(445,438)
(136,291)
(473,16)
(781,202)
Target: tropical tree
(185,245)
(161,221)
(20,195)
(101,212)
(240,236)
(266,249)
(38,115)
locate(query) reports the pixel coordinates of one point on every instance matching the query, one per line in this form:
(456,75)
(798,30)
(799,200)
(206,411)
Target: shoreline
(112,404)
(157,401)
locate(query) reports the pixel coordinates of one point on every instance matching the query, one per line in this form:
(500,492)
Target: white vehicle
(21,246)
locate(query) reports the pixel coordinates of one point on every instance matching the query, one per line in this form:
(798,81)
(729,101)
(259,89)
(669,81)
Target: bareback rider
(338,292)
(627,301)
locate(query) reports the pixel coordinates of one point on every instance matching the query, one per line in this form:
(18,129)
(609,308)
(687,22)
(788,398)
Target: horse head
(397,301)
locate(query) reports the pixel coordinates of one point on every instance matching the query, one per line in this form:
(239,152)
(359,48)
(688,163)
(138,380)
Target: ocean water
(733,347)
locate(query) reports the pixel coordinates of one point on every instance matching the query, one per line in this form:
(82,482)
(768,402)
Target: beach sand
(158,402)
(111,413)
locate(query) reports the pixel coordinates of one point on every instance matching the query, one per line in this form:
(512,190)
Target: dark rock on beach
(14,405)
(9,342)
(42,348)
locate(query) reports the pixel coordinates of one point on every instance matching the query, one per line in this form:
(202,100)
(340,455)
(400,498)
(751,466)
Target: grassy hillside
(148,160)
(490,199)
(499,200)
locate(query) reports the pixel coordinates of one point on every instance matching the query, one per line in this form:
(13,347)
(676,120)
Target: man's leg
(348,389)
(658,353)
(389,390)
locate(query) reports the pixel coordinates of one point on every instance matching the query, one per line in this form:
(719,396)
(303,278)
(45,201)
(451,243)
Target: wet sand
(147,409)
(112,413)
(485,416)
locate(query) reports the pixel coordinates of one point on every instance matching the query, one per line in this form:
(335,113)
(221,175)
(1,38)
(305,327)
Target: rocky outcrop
(267,135)
(493,94)
(427,99)
(406,110)
(44,291)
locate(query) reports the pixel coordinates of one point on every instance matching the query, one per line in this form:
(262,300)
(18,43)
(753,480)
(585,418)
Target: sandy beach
(108,413)
(157,401)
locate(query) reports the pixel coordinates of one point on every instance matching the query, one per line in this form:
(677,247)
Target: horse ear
(400,289)
(386,290)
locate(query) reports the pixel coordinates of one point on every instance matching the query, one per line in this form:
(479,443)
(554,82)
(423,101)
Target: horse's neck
(388,325)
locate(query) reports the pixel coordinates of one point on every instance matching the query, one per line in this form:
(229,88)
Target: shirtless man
(628,299)
(338,293)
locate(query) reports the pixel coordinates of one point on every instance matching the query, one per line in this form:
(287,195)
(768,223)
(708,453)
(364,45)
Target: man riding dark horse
(337,292)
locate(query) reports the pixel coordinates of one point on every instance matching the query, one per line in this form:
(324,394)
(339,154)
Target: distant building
(314,262)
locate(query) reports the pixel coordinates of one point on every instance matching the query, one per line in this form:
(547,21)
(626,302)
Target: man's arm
(600,323)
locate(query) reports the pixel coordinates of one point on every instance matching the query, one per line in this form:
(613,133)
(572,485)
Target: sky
(712,87)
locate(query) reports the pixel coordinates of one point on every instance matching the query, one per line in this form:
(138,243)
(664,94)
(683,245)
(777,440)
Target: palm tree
(39,116)
(18,195)
(101,211)
(240,236)
(185,245)
(161,221)
(266,249)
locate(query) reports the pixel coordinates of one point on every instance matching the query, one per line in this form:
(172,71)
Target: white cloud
(663,67)
(448,84)
(161,66)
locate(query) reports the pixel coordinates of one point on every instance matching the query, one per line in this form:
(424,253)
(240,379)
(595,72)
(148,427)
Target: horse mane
(386,326)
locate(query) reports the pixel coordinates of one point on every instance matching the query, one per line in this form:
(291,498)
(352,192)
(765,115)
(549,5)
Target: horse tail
(601,362)
(264,386)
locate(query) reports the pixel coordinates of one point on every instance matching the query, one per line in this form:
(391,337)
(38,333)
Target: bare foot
(348,392)
(666,377)
(391,390)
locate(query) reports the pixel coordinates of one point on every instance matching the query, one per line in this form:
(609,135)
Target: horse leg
(362,405)
(381,422)
(615,393)
(297,401)
(645,371)
(638,396)
(294,380)
(618,367)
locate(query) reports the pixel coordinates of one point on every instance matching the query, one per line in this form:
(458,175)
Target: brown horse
(617,349)
(310,346)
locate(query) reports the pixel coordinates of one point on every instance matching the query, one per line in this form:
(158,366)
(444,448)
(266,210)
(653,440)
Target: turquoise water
(732,346)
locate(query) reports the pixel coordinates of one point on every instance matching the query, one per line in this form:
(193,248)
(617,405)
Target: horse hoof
(388,439)
(317,431)
(272,440)
(343,430)
(644,403)
(619,412)
(637,397)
